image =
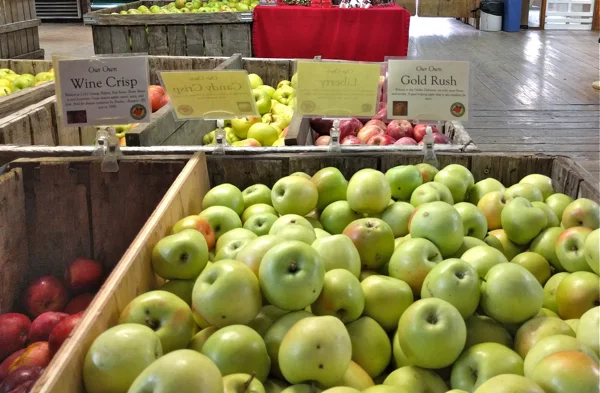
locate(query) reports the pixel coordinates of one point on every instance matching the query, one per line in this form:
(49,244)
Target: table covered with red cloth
(363,34)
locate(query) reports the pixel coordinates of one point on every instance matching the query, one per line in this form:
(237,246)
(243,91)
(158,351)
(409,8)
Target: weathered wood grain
(237,38)
(194,40)
(157,40)
(119,36)
(212,40)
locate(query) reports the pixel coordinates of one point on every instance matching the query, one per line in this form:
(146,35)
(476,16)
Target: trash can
(491,15)
(512,15)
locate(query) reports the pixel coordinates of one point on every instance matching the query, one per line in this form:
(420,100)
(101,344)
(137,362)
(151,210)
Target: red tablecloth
(333,33)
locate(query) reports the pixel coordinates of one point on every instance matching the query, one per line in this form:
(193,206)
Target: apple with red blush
(381,140)
(352,140)
(439,138)
(321,126)
(36,354)
(398,129)
(62,331)
(42,326)
(406,141)
(419,131)
(14,328)
(21,379)
(368,132)
(84,275)
(349,127)
(79,303)
(5,365)
(381,113)
(378,123)
(47,293)
(323,140)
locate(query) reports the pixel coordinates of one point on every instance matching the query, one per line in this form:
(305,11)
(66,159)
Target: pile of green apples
(11,82)
(410,281)
(182,6)
(276,107)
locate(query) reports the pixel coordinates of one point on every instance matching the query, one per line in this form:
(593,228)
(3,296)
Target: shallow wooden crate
(133,275)
(191,34)
(19,37)
(23,98)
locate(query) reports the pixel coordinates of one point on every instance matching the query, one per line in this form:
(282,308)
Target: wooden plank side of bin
(132,276)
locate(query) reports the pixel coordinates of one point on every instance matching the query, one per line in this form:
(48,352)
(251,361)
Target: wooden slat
(119,36)
(237,38)
(139,39)
(272,71)
(4,46)
(176,40)
(194,40)
(212,40)
(23,98)
(17,26)
(43,131)
(37,54)
(157,41)
(246,170)
(102,39)
(104,17)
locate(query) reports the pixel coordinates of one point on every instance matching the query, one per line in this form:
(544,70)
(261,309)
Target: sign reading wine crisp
(428,90)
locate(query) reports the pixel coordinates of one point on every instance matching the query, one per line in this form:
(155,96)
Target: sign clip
(429,156)
(220,138)
(108,146)
(334,137)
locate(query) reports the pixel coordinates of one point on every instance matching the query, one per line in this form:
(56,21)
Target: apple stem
(293,267)
(249,381)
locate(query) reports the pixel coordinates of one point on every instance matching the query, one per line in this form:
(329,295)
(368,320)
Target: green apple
(337,216)
(291,275)
(509,383)
(494,242)
(371,348)
(543,183)
(416,379)
(227,293)
(522,221)
(255,80)
(342,296)
(166,314)
(118,356)
(439,223)
(181,288)
(558,203)
(275,334)
(573,323)
(482,329)
(241,126)
(21,82)
(386,299)
(368,192)
(397,216)
(180,256)
(570,249)
(284,94)
(400,359)
(269,89)
(44,77)
(536,264)
(320,233)
(284,83)
(588,329)
(550,291)
(544,312)
(231,249)
(373,239)
(265,318)
(474,222)
(221,219)
(544,244)
(297,232)
(491,205)
(412,261)
(568,371)
(274,386)
(577,293)
(302,174)
(255,194)
(591,251)
(432,333)
(403,180)
(302,388)
(457,178)
(294,195)
(483,187)
(431,192)
(355,377)
(258,208)
(238,349)
(482,362)
(252,254)
(233,236)
(289,220)
(242,383)
(538,328)
(183,371)
(341,389)
(524,190)
(554,344)
(226,195)
(200,338)
(316,224)
(338,252)
(553,221)
(260,224)
(582,212)
(315,349)
(265,134)
(331,185)
(510,294)
(467,244)
(456,282)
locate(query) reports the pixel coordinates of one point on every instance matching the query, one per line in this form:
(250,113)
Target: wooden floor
(532,90)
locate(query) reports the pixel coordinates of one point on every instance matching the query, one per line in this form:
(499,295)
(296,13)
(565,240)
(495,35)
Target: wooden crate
(23,98)
(133,275)
(19,37)
(445,8)
(192,34)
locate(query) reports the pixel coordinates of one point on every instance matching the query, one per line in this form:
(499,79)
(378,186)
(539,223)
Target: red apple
(23,376)
(440,138)
(84,275)
(381,113)
(62,331)
(321,126)
(14,328)
(158,88)
(369,131)
(23,388)
(381,140)
(377,123)
(406,141)
(382,105)
(349,127)
(323,140)
(398,129)
(47,293)
(351,140)
(42,326)
(36,354)
(79,303)
(5,365)
(419,131)
(164,100)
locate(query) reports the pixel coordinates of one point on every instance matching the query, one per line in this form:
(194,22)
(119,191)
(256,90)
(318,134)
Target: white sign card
(428,90)
(104,90)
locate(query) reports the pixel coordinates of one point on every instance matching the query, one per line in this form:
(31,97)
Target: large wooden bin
(191,34)
(133,275)
(19,37)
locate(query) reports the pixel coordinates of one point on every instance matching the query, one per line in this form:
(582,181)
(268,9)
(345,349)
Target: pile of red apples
(52,307)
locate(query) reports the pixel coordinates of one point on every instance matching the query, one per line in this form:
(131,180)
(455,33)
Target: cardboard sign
(103,90)
(334,89)
(428,90)
(210,94)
